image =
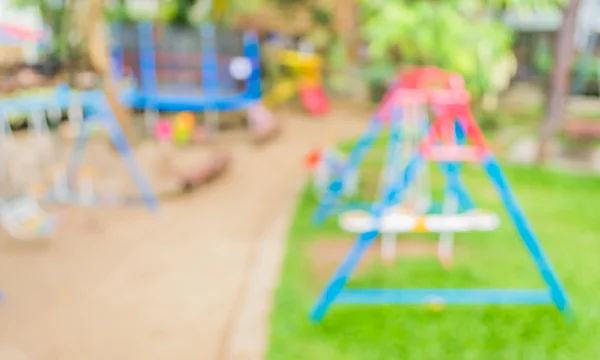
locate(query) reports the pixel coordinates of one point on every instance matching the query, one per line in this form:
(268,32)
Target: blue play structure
(96,109)
(187,69)
(466,144)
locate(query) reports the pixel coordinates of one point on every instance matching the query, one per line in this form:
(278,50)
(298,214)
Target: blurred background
(156,194)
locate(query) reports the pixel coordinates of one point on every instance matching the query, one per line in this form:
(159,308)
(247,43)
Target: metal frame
(95,105)
(462,118)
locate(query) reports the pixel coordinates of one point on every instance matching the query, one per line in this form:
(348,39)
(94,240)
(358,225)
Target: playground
(216,180)
(120,283)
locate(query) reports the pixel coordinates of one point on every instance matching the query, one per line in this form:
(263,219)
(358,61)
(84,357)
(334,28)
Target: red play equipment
(449,100)
(314,99)
(431,85)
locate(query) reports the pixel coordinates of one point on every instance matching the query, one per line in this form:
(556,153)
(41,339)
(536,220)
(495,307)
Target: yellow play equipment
(305,79)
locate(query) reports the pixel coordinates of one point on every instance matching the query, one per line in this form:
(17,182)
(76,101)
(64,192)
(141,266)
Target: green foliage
(246,6)
(321,16)
(183,9)
(583,69)
(460,36)
(542,57)
(290,2)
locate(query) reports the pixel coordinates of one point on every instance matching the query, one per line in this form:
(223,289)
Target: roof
(535,21)
(549,19)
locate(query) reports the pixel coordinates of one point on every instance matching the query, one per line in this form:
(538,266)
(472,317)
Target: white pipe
(55,114)
(151,118)
(86,191)
(322,176)
(211,119)
(388,246)
(446,241)
(75,112)
(61,190)
(37,121)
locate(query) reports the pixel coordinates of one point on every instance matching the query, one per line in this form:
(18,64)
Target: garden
(558,203)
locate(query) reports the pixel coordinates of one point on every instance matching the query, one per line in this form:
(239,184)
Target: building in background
(22,34)
(536,31)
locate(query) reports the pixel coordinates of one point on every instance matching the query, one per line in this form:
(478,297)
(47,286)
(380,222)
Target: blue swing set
(453,117)
(95,107)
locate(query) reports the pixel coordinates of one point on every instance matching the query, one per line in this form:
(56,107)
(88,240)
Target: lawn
(562,208)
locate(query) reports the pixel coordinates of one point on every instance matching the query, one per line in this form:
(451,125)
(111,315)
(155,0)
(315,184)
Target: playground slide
(314,99)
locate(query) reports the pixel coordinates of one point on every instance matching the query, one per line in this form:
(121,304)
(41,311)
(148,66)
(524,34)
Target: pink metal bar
(454,153)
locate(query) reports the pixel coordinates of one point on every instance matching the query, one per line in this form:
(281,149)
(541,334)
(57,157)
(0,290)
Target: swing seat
(23,219)
(394,222)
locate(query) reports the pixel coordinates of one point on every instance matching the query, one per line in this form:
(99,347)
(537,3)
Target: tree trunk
(346,24)
(97,51)
(558,88)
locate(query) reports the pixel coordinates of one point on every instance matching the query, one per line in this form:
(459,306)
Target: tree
(559,84)
(184,8)
(92,26)
(459,36)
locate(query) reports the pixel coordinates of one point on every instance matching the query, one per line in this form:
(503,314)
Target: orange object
(185,120)
(313,158)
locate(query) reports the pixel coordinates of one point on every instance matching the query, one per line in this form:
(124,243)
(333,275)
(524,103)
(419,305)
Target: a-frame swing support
(96,105)
(335,291)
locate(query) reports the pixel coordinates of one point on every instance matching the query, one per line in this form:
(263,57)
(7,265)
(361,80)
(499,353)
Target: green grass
(564,212)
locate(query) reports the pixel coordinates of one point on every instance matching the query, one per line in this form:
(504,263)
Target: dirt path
(146,286)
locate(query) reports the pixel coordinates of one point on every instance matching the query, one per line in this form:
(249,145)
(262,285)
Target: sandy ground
(156,286)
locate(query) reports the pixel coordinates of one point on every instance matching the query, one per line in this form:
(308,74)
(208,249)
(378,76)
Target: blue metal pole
(395,191)
(101,108)
(455,184)
(252,53)
(76,157)
(147,60)
(526,232)
(452,170)
(362,243)
(210,62)
(116,52)
(340,277)
(446,296)
(393,161)
(335,190)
